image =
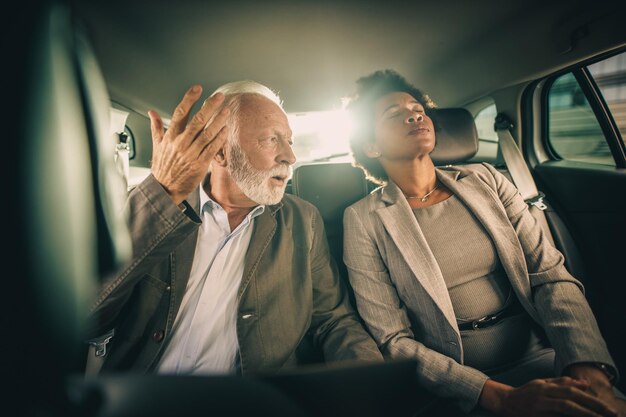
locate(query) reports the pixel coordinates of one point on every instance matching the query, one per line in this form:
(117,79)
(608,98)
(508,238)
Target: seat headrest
(457,139)
(331,187)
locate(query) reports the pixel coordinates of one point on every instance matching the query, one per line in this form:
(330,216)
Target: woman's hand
(182,154)
(599,385)
(563,396)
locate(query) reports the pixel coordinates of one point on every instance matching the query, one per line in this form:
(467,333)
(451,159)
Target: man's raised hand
(182,154)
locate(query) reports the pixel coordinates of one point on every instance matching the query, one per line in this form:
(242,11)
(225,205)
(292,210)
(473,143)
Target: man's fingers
(156,126)
(204,115)
(210,149)
(211,131)
(218,122)
(181,113)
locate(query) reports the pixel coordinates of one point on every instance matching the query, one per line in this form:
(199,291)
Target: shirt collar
(206,202)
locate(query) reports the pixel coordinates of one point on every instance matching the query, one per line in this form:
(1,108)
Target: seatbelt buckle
(100,343)
(121,158)
(537,201)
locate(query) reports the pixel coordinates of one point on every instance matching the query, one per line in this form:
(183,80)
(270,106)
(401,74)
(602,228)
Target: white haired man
(229,274)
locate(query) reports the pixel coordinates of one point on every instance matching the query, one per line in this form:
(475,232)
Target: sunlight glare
(320,135)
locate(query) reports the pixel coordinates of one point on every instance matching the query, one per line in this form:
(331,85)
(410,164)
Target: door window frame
(597,103)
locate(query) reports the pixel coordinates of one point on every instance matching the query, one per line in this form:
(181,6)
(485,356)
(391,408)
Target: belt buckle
(484,321)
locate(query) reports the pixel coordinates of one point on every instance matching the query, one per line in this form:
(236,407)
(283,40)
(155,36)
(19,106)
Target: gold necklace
(424,198)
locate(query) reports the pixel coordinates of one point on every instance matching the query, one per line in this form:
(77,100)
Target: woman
(434,250)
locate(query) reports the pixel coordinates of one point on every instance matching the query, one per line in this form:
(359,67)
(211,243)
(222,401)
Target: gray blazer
(290,300)
(402,296)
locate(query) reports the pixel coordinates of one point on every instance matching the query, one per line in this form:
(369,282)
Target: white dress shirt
(204,335)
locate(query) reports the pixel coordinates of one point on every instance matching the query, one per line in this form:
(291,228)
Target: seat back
(68,229)
(331,187)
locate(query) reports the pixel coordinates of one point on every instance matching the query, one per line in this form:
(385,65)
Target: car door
(578,146)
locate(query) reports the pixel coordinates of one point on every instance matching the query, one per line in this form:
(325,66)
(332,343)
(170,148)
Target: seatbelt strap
(522,178)
(122,146)
(122,159)
(516,165)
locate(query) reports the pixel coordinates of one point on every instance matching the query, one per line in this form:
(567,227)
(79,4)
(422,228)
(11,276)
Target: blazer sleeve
(386,318)
(337,327)
(557,296)
(157,226)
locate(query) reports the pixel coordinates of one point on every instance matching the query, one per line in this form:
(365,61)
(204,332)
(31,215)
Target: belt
(483,322)
(490,319)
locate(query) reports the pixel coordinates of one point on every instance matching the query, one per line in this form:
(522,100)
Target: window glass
(610,77)
(484,123)
(573,130)
(487,136)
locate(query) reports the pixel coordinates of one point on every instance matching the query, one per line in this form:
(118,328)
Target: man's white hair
(233,93)
(248,87)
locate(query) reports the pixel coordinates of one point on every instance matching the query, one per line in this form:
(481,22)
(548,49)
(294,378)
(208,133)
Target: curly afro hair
(370,88)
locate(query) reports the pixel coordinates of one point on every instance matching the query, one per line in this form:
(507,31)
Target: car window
(487,136)
(610,77)
(574,132)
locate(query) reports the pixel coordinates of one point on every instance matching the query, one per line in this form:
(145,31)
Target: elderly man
(229,274)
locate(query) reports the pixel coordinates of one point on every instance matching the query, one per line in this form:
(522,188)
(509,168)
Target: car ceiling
(311,53)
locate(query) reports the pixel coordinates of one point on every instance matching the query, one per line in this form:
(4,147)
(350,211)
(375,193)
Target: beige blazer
(403,299)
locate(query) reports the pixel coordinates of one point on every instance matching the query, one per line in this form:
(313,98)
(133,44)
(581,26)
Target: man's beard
(255,183)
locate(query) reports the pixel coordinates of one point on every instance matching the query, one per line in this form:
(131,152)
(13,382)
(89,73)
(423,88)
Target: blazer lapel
(264,229)
(483,203)
(398,220)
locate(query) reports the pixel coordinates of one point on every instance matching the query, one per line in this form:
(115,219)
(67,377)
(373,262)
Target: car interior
(82,75)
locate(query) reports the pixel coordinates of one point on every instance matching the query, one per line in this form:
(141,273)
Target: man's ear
(371,150)
(220,156)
